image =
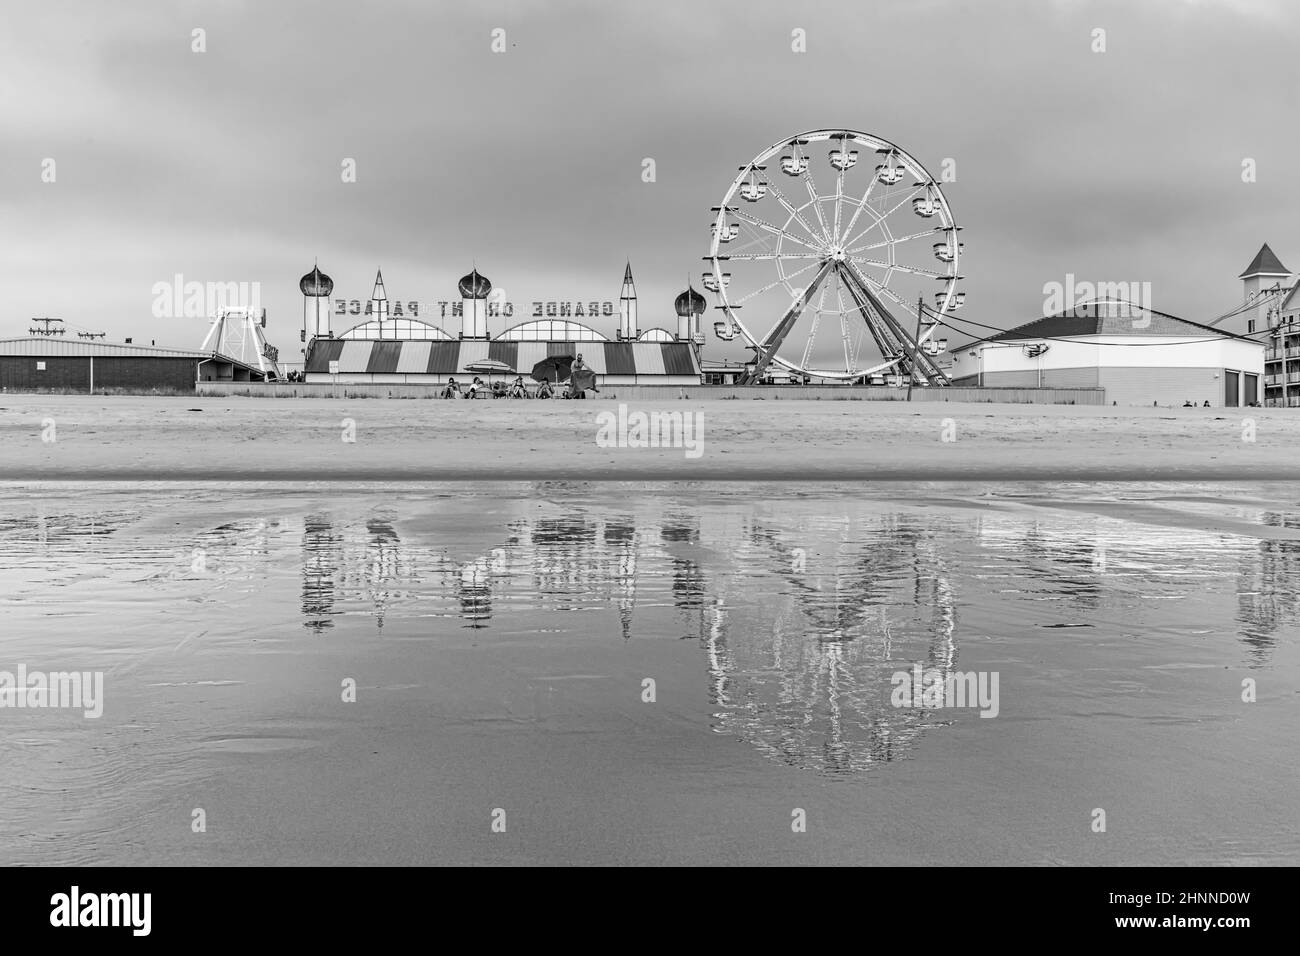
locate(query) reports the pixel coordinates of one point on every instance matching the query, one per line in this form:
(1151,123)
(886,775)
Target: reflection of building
(321,551)
(1267,596)
(474,586)
(382,564)
(340,566)
(386,349)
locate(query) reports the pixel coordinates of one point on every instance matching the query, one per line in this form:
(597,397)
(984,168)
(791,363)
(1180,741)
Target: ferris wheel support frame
(772,342)
(918,365)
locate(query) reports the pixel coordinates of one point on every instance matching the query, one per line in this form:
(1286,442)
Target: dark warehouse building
(41,363)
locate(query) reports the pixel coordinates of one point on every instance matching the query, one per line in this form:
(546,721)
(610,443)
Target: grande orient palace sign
(414,309)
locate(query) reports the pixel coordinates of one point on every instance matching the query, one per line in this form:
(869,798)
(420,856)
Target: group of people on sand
(517,389)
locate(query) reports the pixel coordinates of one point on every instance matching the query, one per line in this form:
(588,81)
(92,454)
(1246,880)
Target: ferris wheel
(826,282)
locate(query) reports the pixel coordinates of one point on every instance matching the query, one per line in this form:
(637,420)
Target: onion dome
(474,286)
(690,302)
(316,283)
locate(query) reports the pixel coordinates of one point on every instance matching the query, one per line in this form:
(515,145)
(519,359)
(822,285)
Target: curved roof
(551,330)
(316,283)
(656,335)
(474,286)
(690,302)
(395,329)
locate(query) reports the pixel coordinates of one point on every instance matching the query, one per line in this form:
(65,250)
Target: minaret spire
(378,305)
(627,321)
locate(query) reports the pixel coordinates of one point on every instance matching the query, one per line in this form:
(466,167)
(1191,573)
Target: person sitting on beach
(474,386)
(581,379)
(517,388)
(575,375)
(544,390)
(452,390)
(1189,404)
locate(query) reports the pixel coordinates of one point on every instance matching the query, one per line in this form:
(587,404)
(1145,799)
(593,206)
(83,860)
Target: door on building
(1250,393)
(1230,386)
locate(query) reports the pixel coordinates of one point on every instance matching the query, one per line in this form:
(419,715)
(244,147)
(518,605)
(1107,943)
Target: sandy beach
(137,438)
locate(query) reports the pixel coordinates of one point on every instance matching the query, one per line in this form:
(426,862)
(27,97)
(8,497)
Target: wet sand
(1122,632)
(134,438)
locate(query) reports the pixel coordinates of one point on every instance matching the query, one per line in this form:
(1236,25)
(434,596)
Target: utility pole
(911,372)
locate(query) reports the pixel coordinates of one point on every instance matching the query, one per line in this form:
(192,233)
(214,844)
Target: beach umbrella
(489,366)
(553,368)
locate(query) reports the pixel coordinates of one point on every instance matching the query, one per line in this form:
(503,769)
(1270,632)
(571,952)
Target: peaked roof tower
(1265,263)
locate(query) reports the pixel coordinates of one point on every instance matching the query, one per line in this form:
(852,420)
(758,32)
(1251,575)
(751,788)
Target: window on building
(1250,327)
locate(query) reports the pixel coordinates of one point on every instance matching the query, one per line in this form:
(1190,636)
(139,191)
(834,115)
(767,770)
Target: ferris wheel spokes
(796,214)
(861,204)
(882,217)
(929,273)
(782,280)
(753,220)
(817,317)
(839,197)
(850,360)
(890,242)
(817,205)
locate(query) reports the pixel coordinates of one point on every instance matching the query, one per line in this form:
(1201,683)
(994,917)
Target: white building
(1139,356)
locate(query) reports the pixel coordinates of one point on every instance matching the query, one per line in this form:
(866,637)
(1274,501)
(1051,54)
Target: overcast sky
(225,165)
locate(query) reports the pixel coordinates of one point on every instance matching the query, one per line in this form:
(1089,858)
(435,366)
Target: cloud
(225,165)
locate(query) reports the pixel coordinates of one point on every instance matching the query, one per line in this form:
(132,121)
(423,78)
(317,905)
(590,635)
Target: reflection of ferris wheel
(827,283)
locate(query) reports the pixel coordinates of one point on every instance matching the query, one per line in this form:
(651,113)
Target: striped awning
(442,358)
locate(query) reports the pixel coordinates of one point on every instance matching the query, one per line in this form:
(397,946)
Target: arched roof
(551,330)
(398,328)
(656,335)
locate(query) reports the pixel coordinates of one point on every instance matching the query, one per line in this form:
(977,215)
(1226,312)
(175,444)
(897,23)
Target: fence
(832,393)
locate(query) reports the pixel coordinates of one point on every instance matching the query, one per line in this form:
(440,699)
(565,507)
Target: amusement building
(387,348)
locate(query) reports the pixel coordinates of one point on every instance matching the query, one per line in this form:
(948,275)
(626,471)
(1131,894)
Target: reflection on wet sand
(801,618)
(802,671)
(801,625)
(1268,590)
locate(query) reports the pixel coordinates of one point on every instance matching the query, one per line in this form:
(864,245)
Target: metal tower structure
(237,334)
